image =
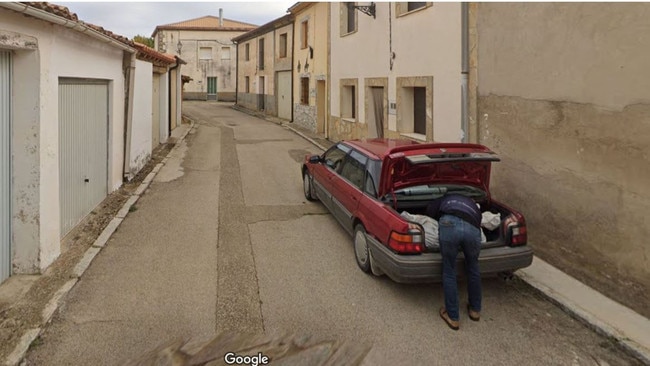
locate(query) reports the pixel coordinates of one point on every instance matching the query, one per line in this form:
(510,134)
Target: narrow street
(223,240)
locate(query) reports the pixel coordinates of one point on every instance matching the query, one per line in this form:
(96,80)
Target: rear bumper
(427,267)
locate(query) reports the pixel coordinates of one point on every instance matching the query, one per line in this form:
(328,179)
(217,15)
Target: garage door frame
(5,164)
(83,148)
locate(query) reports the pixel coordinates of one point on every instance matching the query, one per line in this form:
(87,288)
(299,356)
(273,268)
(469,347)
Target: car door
(347,188)
(329,168)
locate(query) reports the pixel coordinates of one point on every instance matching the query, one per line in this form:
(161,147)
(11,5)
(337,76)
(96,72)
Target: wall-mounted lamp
(179,46)
(366,9)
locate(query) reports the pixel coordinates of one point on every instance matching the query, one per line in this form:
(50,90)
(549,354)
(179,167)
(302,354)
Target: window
(402,8)
(410,6)
(261,54)
(415,107)
(349,101)
(283,45)
(420,110)
(304,33)
(348,18)
(225,53)
(247,53)
(304,91)
(205,53)
(247,84)
(354,167)
(334,156)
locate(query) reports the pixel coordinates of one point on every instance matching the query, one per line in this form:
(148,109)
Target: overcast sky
(130,19)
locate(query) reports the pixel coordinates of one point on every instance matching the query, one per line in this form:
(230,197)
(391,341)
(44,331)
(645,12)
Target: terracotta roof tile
(64,12)
(59,10)
(149,54)
(208,23)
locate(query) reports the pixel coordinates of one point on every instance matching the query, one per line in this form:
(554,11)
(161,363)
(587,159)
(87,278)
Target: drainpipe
(128,115)
(236,72)
(464,70)
(293,61)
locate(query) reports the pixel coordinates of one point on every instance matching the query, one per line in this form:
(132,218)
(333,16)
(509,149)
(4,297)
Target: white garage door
(284,95)
(83,148)
(5,165)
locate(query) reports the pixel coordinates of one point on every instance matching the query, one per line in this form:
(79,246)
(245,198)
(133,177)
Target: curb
(19,352)
(627,344)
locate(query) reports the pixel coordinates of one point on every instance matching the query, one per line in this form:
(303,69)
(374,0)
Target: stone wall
(305,116)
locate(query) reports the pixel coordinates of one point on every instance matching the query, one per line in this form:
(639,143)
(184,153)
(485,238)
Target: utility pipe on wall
(128,117)
(464,70)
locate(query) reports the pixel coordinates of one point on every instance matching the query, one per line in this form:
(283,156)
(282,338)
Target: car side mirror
(315,159)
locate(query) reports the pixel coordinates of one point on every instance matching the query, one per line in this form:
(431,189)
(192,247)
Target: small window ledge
(414,136)
(349,120)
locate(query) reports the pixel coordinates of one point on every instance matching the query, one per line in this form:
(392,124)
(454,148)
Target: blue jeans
(455,234)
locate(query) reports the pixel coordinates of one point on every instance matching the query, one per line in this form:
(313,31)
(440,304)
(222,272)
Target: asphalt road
(224,240)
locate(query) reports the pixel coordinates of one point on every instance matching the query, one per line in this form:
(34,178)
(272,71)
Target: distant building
(205,44)
(264,68)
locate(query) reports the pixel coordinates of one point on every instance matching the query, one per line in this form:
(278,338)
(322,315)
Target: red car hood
(466,164)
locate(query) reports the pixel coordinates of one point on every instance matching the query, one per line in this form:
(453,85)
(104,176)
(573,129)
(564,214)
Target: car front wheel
(361,248)
(307,187)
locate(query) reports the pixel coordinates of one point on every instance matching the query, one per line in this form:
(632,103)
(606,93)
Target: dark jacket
(456,205)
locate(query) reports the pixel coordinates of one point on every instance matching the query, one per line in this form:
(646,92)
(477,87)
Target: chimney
(220,18)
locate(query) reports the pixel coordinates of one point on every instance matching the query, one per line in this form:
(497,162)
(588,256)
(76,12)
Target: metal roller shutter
(83,148)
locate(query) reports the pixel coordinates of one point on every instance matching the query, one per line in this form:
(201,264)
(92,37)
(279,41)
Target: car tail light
(515,230)
(410,243)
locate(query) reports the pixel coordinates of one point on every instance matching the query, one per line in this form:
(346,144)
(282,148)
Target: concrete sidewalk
(602,314)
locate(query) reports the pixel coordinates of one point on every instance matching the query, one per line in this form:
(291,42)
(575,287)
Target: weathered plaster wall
(316,60)
(247,100)
(141,128)
(199,70)
(61,53)
(564,98)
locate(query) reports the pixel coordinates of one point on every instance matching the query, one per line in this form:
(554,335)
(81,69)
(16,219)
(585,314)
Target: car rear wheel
(307,187)
(361,248)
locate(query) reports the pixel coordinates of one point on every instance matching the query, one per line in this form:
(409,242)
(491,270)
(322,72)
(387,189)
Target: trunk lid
(451,163)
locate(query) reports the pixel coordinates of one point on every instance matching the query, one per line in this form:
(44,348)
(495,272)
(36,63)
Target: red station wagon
(366,184)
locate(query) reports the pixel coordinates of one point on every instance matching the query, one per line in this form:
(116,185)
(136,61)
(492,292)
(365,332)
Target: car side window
(333,157)
(373,168)
(370,186)
(354,168)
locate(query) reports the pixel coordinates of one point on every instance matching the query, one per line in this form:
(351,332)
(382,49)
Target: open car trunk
(493,238)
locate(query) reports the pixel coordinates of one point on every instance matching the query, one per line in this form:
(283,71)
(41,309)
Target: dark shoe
(453,324)
(474,315)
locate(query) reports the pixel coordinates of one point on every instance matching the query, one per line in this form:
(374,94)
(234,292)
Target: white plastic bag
(430,229)
(490,220)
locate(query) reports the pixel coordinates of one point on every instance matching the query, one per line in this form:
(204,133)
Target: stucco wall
(434,50)
(60,53)
(250,68)
(200,70)
(564,98)
(140,151)
(317,60)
